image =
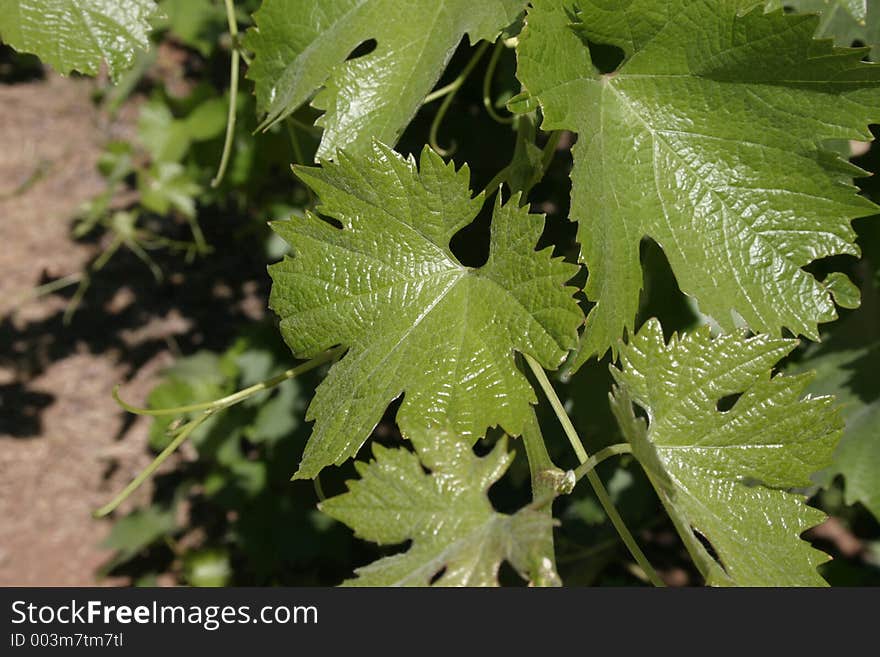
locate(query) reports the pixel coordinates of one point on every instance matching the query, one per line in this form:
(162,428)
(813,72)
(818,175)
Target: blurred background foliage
(227,513)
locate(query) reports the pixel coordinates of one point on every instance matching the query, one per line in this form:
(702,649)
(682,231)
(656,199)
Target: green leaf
(197,23)
(192,379)
(705,140)
(846,366)
(416,321)
(458,539)
(77,35)
(301,45)
(168,139)
(526,167)
(137,531)
(726,474)
(207,567)
(846,21)
(167,185)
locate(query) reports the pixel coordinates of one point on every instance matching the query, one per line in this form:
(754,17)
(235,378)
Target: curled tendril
(449,92)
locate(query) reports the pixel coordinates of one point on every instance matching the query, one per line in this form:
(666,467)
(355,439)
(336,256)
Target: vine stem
(449,91)
(603,454)
(233,95)
(592,477)
(86,279)
(209,408)
(581,471)
(234,398)
(147,472)
(47,288)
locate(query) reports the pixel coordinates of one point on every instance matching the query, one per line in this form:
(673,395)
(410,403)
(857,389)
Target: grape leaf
(846,21)
(300,45)
(458,539)
(415,320)
(846,366)
(725,474)
(77,35)
(705,140)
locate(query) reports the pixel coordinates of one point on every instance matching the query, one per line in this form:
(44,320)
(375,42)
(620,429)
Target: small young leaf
(458,539)
(77,35)
(726,474)
(416,321)
(706,140)
(301,45)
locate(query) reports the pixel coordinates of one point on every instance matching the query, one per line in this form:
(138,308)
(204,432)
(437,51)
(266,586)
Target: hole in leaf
(437,576)
(706,544)
(727,402)
(330,220)
(363,49)
(606,58)
(508,576)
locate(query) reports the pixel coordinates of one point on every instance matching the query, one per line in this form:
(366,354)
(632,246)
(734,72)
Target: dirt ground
(65,447)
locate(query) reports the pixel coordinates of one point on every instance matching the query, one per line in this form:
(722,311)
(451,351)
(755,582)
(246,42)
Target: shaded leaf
(846,21)
(458,539)
(136,532)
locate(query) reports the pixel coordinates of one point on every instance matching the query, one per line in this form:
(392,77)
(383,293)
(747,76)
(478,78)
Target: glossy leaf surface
(727,474)
(77,35)
(705,140)
(417,322)
(303,45)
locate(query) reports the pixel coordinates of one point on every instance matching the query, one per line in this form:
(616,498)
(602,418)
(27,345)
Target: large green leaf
(725,474)
(705,140)
(458,539)
(416,321)
(301,45)
(77,35)
(846,21)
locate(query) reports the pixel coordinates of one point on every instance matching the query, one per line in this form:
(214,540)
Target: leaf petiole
(598,487)
(145,474)
(236,397)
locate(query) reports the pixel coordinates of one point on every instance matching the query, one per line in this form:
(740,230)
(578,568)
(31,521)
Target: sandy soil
(61,454)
